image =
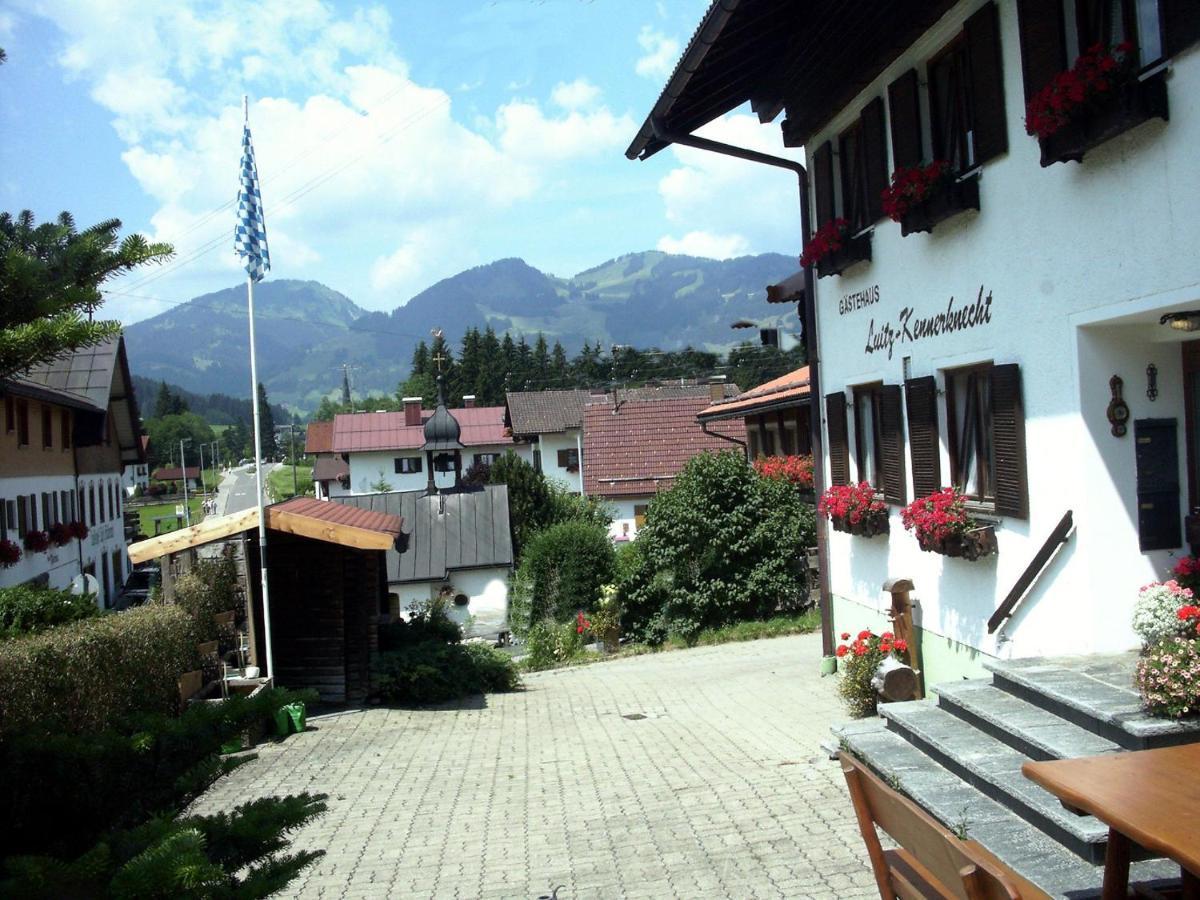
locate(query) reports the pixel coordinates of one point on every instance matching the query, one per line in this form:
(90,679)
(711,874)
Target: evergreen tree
(559,367)
(266,423)
(508,353)
(162,401)
(491,387)
(524,375)
(541,362)
(420,359)
(470,366)
(50,278)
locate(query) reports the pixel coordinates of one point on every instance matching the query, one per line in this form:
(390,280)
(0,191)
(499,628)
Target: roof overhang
(278,519)
(808,58)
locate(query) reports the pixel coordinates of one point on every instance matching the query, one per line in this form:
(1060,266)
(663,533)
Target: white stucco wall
(367,468)
(550,444)
(624,515)
(106,535)
(1080,260)
(486,613)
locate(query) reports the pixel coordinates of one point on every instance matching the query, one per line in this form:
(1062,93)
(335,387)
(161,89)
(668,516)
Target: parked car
(139,585)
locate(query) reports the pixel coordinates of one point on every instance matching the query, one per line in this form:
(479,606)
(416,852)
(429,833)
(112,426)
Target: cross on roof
(438,360)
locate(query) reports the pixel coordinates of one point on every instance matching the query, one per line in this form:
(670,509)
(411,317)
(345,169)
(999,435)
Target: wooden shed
(327,577)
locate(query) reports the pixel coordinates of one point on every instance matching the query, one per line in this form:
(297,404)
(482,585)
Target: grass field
(279,482)
(147,514)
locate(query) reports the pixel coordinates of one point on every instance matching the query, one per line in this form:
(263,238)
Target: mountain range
(306,332)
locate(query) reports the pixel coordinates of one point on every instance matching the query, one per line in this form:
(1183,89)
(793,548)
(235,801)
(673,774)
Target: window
(862,172)
(639,515)
(407,465)
(64,416)
(22,516)
(986,422)
(91,505)
(23,423)
(33,516)
(3,519)
(755,446)
(569,459)
(839,440)
(47,510)
(486,459)
(47,427)
(879,440)
(10,414)
(444,462)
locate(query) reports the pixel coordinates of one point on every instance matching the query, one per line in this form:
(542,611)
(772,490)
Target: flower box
(1130,105)
(948,200)
(972,545)
(853,251)
(869,525)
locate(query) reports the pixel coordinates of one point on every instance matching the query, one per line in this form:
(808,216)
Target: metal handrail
(1039,562)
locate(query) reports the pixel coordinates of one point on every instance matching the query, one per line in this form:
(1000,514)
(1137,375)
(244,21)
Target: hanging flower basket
(78,530)
(798,469)
(832,249)
(1094,101)
(37,541)
(920,197)
(941,524)
(10,554)
(60,534)
(854,509)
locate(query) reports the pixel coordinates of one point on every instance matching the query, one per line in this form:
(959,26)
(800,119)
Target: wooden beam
(207,531)
(329,532)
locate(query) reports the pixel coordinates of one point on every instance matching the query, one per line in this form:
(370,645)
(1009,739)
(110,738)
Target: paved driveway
(688,774)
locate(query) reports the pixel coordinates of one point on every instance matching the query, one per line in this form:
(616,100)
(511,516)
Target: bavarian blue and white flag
(250,236)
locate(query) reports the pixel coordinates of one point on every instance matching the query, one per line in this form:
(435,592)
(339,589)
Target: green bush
(530,507)
(567,506)
(25,609)
(428,622)
(562,571)
(62,792)
(722,545)
(86,675)
(1168,677)
(434,672)
(210,587)
(551,644)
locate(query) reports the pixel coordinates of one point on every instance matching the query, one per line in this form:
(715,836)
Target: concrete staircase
(960,755)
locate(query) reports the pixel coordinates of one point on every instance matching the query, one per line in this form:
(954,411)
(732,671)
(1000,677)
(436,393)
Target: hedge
(86,675)
(25,609)
(562,571)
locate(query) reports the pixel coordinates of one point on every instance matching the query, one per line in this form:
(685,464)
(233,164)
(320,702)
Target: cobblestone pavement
(686,774)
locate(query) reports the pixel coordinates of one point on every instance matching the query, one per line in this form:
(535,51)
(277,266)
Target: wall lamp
(1182,321)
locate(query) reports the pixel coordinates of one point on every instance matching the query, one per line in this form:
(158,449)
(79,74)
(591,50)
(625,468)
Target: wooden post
(168,578)
(902,625)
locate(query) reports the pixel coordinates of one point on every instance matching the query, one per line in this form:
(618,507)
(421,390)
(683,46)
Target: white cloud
(660,53)
(730,206)
(704,243)
(577,94)
(369,181)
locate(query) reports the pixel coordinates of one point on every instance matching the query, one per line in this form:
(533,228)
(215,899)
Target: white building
(70,427)
(384,449)
(1007,337)
(136,476)
(550,424)
(456,544)
(331,472)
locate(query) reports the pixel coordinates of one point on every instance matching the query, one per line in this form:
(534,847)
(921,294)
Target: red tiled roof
(358,432)
(339,514)
(319,438)
(640,448)
(330,466)
(790,387)
(174,474)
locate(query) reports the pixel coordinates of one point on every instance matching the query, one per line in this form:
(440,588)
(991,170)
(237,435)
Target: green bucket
(289,719)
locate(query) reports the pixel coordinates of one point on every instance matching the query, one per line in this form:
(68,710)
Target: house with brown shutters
(1020,326)
(331,471)
(69,429)
(776,415)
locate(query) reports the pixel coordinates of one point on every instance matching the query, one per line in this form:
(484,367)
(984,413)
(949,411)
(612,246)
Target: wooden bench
(930,863)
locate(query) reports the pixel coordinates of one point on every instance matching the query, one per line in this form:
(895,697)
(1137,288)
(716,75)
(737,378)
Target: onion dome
(441,429)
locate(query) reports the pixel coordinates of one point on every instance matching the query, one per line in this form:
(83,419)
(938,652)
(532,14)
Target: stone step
(962,808)
(994,768)
(1094,692)
(1030,729)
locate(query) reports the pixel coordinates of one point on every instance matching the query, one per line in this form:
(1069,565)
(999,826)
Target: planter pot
(828,665)
(974,544)
(868,526)
(1131,105)
(954,197)
(854,250)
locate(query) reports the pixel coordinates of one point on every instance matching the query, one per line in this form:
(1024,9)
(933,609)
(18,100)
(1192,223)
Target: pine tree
(559,367)
(162,401)
(470,366)
(420,359)
(491,389)
(524,374)
(541,362)
(508,353)
(266,423)
(50,278)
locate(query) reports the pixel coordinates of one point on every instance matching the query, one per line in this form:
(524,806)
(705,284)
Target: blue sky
(397,144)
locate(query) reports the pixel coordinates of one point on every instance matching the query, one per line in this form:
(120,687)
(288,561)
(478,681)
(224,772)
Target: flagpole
(262,517)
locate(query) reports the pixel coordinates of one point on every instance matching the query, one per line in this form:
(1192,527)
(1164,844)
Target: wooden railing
(1058,536)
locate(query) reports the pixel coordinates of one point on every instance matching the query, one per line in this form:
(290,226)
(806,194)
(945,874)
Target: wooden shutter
(1043,43)
(1008,440)
(986,77)
(823,183)
(923,441)
(873,152)
(839,438)
(854,200)
(891,428)
(905,107)
(1180,25)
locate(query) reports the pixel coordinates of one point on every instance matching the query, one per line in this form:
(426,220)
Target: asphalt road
(236,492)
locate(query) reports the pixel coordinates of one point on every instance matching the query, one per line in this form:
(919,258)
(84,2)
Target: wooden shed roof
(319,520)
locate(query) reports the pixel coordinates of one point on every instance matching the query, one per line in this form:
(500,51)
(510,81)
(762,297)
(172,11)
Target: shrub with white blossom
(1168,677)
(1156,613)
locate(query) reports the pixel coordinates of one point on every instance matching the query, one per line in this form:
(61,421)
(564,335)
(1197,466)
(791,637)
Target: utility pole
(187,512)
(292,445)
(203,480)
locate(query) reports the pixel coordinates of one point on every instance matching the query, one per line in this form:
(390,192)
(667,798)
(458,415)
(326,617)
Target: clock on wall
(1118,410)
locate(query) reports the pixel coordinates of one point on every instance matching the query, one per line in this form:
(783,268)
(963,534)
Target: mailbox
(1158,510)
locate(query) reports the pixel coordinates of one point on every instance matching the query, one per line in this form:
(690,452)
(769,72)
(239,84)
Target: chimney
(716,388)
(412,410)
(468,401)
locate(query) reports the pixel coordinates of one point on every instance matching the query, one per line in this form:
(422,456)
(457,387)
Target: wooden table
(1148,797)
